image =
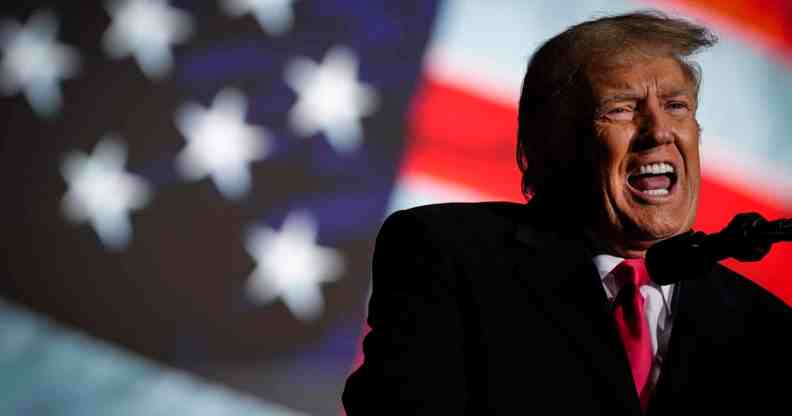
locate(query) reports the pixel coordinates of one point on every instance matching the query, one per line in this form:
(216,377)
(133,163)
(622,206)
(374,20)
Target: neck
(602,243)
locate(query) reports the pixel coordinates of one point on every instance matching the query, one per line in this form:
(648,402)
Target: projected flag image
(192,188)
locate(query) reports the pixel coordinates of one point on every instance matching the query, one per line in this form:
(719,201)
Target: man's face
(647,141)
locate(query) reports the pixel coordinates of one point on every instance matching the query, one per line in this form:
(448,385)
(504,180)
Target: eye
(678,107)
(623,113)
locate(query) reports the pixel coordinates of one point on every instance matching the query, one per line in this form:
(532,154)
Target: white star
(274,16)
(220,144)
(291,266)
(34,63)
(146,29)
(330,99)
(100,192)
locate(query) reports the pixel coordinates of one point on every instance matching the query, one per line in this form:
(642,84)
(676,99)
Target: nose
(654,128)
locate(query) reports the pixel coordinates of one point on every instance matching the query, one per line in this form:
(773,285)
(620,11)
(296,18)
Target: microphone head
(776,231)
(744,238)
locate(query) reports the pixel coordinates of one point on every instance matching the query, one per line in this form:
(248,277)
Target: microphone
(691,255)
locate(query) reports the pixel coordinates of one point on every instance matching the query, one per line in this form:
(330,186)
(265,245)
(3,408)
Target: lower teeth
(662,191)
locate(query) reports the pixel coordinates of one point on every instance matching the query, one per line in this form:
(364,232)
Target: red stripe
(459,137)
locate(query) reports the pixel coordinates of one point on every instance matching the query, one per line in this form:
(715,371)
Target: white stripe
(413,189)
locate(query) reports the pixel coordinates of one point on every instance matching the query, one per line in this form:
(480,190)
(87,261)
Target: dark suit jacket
(486,309)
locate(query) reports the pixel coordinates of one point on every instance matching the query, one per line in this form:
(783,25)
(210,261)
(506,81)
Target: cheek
(612,180)
(612,145)
(612,166)
(692,155)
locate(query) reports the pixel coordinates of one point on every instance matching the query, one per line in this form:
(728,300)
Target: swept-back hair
(554,112)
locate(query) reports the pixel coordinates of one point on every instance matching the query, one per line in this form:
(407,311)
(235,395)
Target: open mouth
(653,179)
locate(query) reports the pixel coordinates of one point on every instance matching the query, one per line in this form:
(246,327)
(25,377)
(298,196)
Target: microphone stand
(748,237)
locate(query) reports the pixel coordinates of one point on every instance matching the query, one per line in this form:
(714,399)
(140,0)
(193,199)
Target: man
(500,308)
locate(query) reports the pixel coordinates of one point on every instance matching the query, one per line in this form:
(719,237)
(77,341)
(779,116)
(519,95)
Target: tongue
(647,182)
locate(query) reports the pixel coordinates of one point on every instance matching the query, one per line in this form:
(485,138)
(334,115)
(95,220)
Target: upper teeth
(656,168)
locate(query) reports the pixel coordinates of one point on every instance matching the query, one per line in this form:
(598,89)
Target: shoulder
(743,293)
(456,229)
(762,320)
(459,217)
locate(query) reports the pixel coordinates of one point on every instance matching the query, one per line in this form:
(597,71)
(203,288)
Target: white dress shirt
(657,309)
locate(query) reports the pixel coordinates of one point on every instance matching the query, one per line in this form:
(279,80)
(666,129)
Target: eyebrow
(677,93)
(619,97)
(636,96)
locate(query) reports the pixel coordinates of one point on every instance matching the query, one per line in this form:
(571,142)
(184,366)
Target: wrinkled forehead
(637,74)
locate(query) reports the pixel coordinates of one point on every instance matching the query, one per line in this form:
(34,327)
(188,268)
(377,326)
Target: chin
(659,227)
(635,223)
(650,235)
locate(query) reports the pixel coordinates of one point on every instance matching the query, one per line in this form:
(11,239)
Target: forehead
(639,76)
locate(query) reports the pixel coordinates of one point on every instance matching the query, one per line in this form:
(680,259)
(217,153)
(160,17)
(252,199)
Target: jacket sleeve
(413,354)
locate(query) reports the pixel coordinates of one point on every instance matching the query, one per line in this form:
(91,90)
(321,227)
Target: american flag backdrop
(191,189)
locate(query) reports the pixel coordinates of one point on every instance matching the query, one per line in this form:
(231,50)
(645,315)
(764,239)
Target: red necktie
(628,310)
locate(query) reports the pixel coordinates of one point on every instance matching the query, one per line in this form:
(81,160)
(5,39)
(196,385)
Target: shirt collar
(605,263)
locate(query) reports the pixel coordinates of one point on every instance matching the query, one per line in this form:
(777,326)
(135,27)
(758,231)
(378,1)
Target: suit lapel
(706,316)
(569,290)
